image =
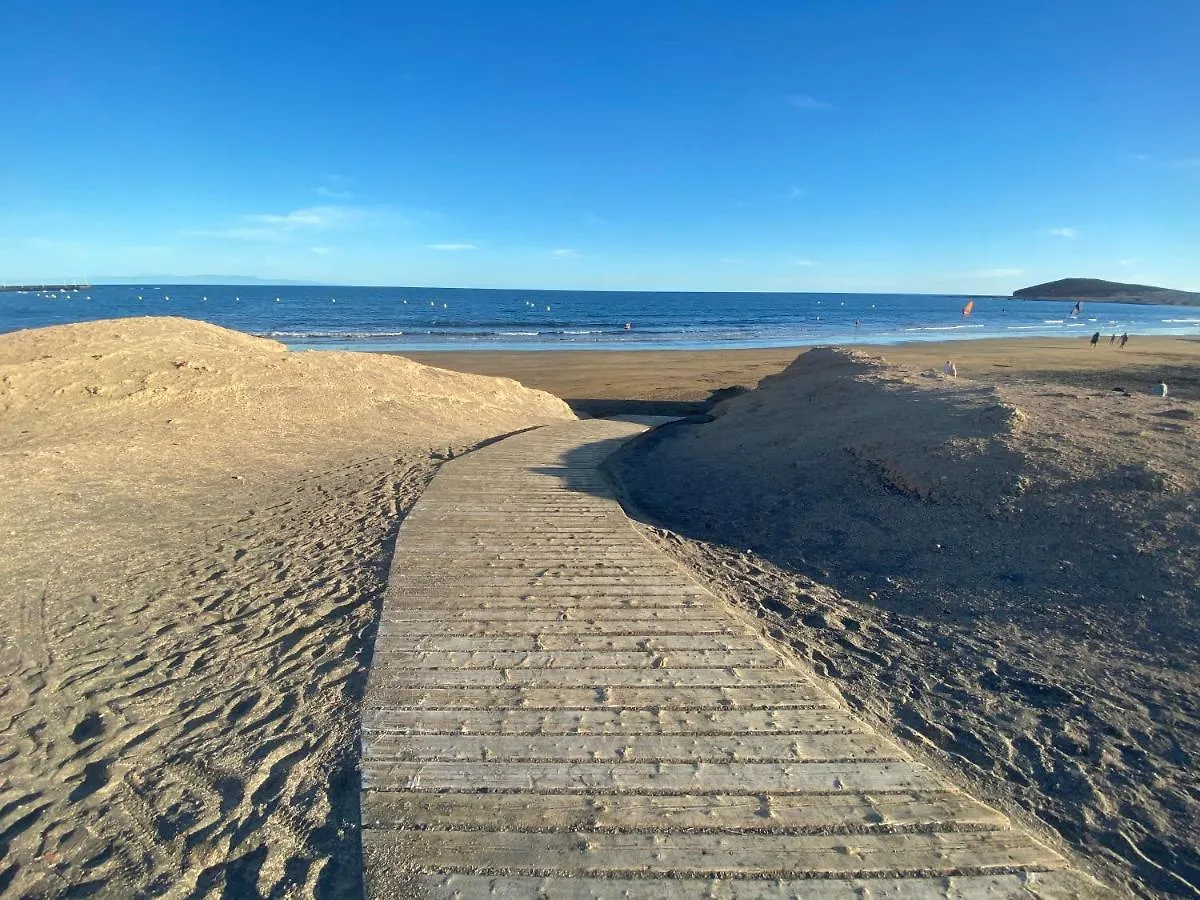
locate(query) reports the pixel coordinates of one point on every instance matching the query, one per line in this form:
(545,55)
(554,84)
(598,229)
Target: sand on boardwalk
(1001,569)
(195,528)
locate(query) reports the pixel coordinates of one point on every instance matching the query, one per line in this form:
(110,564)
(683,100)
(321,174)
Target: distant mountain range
(198,279)
(1096,290)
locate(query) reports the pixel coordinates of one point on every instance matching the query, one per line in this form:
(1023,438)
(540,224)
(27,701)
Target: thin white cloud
(266,235)
(314,217)
(807,101)
(451,247)
(320,251)
(1128,262)
(1192,163)
(336,187)
(564,253)
(270,227)
(796,193)
(1065,233)
(805,263)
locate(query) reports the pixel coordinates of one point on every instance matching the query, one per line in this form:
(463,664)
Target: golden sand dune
(214,387)
(1004,574)
(195,531)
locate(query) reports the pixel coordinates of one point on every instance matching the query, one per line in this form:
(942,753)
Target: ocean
(398,318)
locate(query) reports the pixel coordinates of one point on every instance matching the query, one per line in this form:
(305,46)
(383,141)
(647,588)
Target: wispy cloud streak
(336,187)
(287,226)
(807,102)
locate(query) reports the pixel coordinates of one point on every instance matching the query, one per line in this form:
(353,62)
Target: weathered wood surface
(1053,885)
(555,709)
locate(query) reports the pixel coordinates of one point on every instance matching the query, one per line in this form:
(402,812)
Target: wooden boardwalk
(555,709)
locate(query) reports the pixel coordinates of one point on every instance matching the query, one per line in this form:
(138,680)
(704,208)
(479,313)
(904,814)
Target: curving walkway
(555,709)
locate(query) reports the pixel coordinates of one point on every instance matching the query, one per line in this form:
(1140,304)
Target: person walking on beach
(1095,339)
(1113,339)
(949,370)
(1124,341)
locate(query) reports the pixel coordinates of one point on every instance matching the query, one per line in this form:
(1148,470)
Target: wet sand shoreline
(602,382)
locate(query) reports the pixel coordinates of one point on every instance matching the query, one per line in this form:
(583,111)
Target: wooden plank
(524,641)
(705,854)
(470,526)
(409,555)
(487,566)
(453,615)
(584,559)
(419,604)
(1055,885)
(631,748)
(598,626)
(729,778)
(381,692)
(676,812)
(784,679)
(579,587)
(433,538)
(492,544)
(609,721)
(574,659)
(580,582)
(513,524)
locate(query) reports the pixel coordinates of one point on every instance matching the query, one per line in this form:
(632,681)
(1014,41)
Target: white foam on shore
(943,327)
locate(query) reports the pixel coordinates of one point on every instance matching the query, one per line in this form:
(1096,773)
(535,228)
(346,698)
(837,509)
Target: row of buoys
(235,299)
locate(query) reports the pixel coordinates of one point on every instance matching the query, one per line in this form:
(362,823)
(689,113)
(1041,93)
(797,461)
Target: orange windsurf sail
(970,306)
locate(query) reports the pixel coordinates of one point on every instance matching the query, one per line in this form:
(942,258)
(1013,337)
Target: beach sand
(682,381)
(196,528)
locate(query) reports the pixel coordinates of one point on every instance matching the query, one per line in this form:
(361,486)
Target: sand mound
(841,463)
(195,530)
(201,388)
(1017,567)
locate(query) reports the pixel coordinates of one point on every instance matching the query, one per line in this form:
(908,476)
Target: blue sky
(857,145)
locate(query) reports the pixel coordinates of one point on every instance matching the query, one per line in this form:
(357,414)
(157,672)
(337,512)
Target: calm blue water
(367,318)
